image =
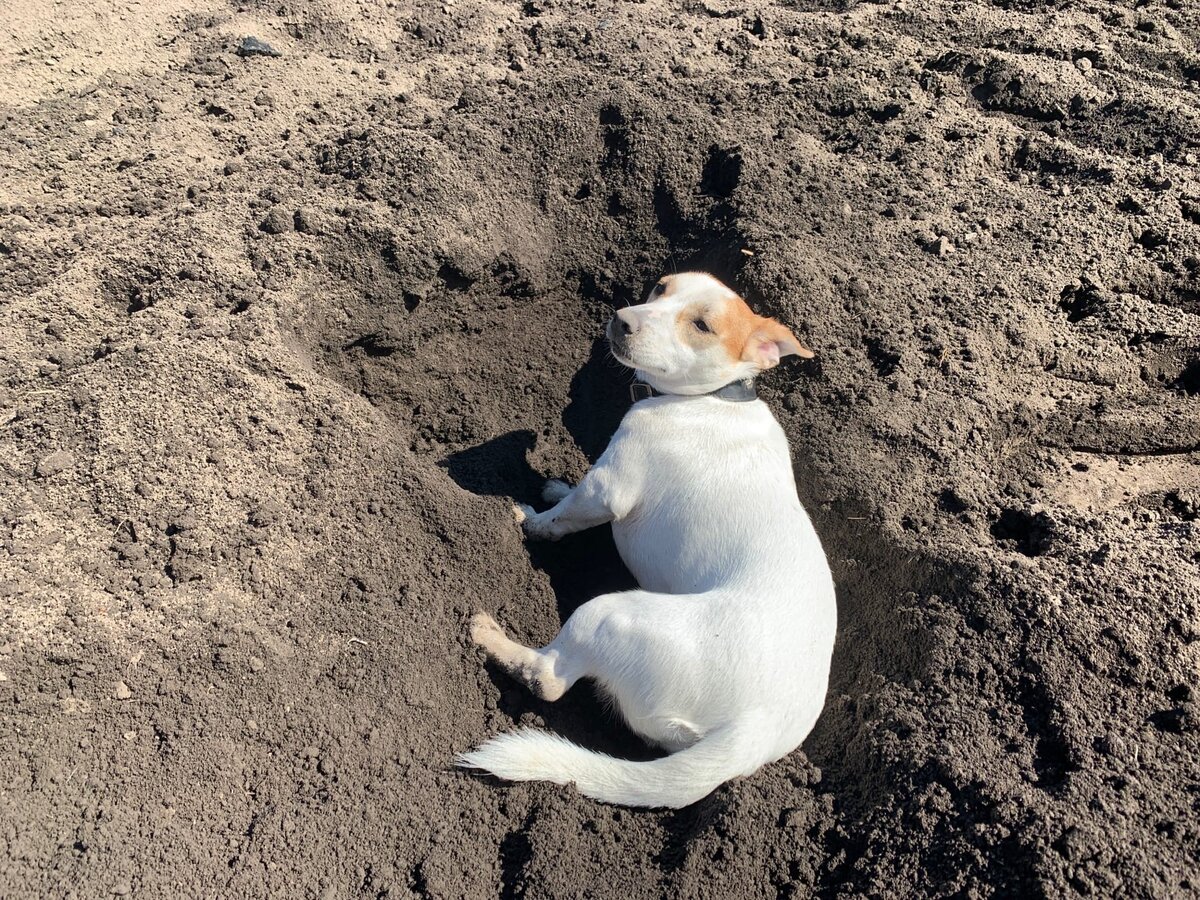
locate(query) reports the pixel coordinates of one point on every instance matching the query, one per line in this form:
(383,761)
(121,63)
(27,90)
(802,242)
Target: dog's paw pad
(522,513)
(485,629)
(554,490)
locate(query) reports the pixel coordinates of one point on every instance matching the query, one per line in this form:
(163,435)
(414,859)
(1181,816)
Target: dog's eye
(701,325)
(658,289)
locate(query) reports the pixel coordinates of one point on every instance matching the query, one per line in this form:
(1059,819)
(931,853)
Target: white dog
(722,658)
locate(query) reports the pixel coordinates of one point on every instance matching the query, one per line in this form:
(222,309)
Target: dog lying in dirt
(722,657)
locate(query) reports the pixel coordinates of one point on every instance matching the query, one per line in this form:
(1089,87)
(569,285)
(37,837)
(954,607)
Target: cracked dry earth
(283,337)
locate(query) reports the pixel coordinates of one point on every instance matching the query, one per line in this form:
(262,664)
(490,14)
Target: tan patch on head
(706,322)
(742,333)
(720,315)
(735,324)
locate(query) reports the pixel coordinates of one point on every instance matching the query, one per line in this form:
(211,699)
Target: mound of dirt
(283,333)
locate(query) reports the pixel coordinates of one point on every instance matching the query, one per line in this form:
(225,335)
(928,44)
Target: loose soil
(283,336)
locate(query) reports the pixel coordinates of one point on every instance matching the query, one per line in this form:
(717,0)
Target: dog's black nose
(626,322)
(617,331)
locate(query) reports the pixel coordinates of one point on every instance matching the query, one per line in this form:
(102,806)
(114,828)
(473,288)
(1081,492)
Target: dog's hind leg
(646,652)
(555,491)
(542,671)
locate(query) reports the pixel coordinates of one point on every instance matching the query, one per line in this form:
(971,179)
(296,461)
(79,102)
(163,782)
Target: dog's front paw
(554,490)
(485,630)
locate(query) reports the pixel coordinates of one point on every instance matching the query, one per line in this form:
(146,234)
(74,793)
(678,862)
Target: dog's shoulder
(641,416)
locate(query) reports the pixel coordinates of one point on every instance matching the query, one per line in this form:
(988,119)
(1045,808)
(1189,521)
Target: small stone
(122,691)
(56,462)
(942,246)
(276,222)
(233,166)
(1083,64)
(252,46)
(122,888)
(326,767)
(256,664)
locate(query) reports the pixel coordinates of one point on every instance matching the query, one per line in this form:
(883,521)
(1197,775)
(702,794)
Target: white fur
(723,655)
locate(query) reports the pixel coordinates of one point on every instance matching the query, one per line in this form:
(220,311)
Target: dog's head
(694,335)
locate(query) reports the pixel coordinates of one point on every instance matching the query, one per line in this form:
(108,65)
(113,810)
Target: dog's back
(719,521)
(719,504)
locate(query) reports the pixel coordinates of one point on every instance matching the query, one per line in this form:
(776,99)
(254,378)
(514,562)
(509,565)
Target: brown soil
(281,337)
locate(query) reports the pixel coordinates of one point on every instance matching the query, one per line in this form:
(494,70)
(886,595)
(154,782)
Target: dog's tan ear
(770,342)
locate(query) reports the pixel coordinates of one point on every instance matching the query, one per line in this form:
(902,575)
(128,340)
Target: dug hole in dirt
(283,335)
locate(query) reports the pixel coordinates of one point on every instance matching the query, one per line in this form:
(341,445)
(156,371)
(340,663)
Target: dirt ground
(281,337)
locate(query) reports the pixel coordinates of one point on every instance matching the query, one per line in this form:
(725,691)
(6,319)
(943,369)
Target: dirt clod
(58,461)
(277,221)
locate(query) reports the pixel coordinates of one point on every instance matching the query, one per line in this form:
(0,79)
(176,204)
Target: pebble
(256,664)
(122,691)
(942,246)
(233,166)
(252,46)
(1083,64)
(56,462)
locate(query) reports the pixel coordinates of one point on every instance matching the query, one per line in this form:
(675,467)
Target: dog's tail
(674,781)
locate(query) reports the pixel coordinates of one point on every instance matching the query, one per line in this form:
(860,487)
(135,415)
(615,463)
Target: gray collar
(736,392)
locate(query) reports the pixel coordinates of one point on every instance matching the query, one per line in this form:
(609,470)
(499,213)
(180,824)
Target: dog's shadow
(580,566)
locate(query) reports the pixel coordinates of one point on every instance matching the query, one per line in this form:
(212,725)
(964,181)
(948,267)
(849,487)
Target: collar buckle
(640,391)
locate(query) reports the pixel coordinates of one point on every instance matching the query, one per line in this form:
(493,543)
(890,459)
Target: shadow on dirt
(583,565)
(580,566)
(599,399)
